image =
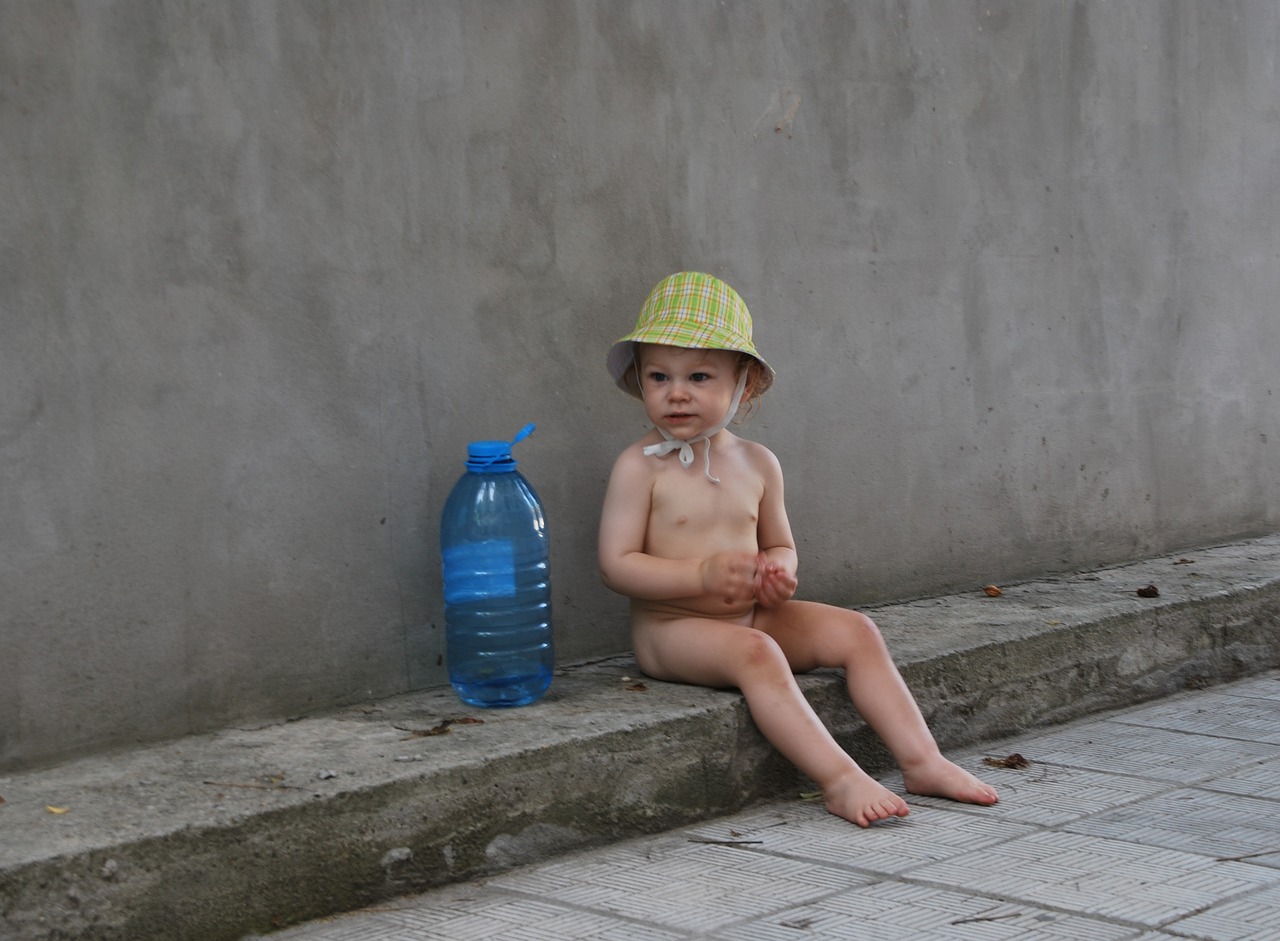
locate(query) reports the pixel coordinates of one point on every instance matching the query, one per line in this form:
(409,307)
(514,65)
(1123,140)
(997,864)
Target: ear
(753,371)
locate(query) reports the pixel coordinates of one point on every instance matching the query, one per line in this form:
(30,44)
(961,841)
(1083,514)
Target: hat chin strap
(663,448)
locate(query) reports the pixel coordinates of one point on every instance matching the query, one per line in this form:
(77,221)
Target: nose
(678,391)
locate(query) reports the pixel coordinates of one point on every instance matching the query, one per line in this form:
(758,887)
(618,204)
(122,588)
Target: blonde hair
(756,372)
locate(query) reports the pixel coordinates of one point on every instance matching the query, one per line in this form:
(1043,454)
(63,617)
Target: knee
(760,654)
(860,633)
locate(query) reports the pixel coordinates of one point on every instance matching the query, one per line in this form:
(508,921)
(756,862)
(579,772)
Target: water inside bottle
(479,569)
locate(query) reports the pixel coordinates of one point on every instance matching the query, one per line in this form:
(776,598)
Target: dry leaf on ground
(443,728)
(1015,761)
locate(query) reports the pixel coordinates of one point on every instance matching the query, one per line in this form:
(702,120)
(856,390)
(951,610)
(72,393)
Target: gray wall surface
(266,267)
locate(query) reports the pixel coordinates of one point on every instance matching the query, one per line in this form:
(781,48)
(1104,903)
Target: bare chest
(691,517)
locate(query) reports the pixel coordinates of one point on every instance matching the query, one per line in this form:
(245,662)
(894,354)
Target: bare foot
(939,777)
(863,800)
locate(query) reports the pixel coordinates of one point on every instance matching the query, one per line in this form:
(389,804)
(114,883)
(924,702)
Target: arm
(624,565)
(778,561)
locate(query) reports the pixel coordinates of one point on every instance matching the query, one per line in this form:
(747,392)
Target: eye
(656,376)
(700,377)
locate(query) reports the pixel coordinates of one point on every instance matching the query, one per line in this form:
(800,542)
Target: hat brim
(622,357)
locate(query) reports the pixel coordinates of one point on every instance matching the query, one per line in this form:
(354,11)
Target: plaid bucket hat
(693,310)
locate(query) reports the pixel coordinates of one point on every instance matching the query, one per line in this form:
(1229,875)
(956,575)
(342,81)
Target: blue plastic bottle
(497,582)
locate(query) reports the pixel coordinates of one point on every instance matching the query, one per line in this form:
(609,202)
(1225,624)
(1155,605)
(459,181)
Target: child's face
(687,391)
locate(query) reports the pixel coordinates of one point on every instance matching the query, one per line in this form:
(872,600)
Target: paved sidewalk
(1153,822)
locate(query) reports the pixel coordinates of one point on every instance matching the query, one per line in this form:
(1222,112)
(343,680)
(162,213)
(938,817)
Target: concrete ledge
(212,837)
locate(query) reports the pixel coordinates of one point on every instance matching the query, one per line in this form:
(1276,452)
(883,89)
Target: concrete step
(216,836)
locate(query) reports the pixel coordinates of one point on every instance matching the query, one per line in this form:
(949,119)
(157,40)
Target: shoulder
(758,456)
(629,492)
(760,463)
(632,462)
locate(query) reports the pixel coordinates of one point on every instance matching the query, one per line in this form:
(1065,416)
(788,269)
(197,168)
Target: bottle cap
(495,456)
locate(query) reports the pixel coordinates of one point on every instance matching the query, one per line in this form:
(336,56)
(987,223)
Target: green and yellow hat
(692,310)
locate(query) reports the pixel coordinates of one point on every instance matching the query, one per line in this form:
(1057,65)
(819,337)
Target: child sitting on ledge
(709,562)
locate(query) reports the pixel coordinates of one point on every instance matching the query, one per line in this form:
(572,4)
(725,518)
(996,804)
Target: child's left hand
(774,584)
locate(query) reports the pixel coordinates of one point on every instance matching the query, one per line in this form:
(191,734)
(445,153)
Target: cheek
(652,400)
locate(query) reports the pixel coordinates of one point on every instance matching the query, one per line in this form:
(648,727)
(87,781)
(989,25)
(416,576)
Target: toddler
(709,562)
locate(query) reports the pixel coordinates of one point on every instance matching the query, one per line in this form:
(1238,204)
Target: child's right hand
(731,577)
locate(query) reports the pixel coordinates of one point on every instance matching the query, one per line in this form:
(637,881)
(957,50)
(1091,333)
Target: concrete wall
(265,267)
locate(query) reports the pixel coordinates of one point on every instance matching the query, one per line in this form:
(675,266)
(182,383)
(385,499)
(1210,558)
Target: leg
(721,654)
(816,635)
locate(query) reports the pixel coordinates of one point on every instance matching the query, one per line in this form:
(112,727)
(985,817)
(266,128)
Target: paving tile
(1045,794)
(892,911)
(357,926)
(477,912)
(805,831)
(1252,917)
(1143,751)
(1261,779)
(1197,821)
(1220,714)
(1100,877)
(1263,686)
(692,887)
